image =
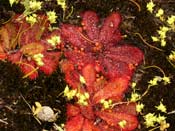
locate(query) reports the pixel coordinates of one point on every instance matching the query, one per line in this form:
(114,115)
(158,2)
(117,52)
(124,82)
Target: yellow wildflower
(160,13)
(160,119)
(135,97)
(37,109)
(171,20)
(122,123)
(62,3)
(163,42)
(35,5)
(52,16)
(154,81)
(139,107)
(161,107)
(38,59)
(32,19)
(82,80)
(166,80)
(164,125)
(150,6)
(54,40)
(13,1)
(155,39)
(106,103)
(150,120)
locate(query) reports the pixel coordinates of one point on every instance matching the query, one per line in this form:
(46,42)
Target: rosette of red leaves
(21,41)
(93,51)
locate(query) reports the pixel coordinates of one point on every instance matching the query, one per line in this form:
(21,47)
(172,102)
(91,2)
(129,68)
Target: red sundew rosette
(30,40)
(20,41)
(109,119)
(94,50)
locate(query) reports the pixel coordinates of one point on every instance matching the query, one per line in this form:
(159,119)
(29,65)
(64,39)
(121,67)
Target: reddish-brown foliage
(94,52)
(20,41)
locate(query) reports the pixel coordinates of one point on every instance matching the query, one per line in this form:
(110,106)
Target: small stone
(46,114)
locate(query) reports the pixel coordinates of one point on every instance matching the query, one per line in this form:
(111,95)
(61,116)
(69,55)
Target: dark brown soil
(15,114)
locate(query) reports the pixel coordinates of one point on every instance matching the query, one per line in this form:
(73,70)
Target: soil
(16,93)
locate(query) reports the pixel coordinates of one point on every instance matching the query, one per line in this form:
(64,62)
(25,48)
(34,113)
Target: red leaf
(109,28)
(72,110)
(51,60)
(66,66)
(87,125)
(113,89)
(113,118)
(114,69)
(14,57)
(28,68)
(72,34)
(89,74)
(3,56)
(128,54)
(79,58)
(90,24)
(128,108)
(72,78)
(32,48)
(74,123)
(87,111)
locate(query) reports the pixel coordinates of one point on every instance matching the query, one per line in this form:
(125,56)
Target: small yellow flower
(161,107)
(62,3)
(139,107)
(133,85)
(69,93)
(160,119)
(35,5)
(160,13)
(32,19)
(150,120)
(13,1)
(86,95)
(171,20)
(153,82)
(37,109)
(66,90)
(82,80)
(54,40)
(164,125)
(122,123)
(52,16)
(155,39)
(106,103)
(163,42)
(135,97)
(162,32)
(172,55)
(150,6)
(82,98)
(38,59)
(166,80)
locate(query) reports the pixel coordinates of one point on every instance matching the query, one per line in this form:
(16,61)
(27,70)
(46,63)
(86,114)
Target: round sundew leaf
(113,89)
(72,110)
(109,28)
(90,25)
(75,123)
(113,119)
(32,48)
(72,34)
(89,74)
(125,53)
(51,61)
